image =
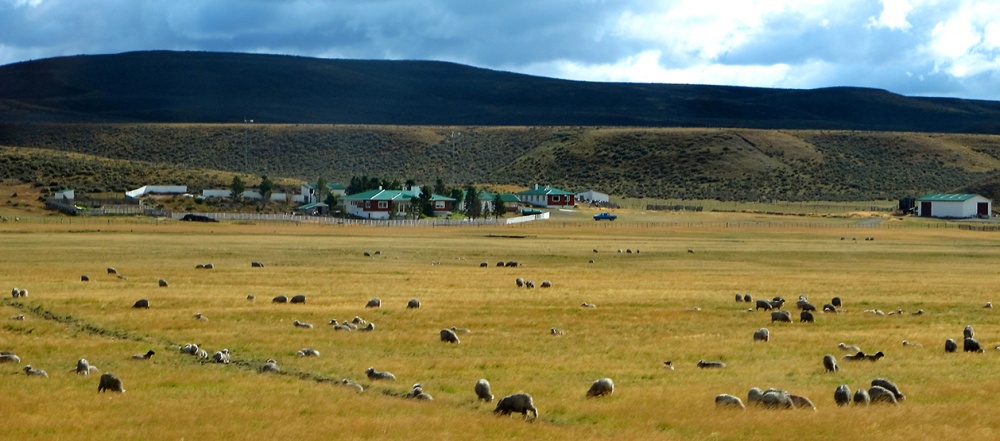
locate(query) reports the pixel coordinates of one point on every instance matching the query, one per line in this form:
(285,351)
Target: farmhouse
(954,206)
(510,202)
(384,204)
(547,197)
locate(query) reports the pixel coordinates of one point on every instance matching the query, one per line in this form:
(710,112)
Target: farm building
(593,196)
(310,192)
(954,206)
(66,193)
(157,189)
(547,197)
(379,204)
(313,209)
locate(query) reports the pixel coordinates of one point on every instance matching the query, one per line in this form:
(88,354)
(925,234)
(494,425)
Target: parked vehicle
(605,216)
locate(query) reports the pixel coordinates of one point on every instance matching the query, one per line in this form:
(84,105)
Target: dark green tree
(473,207)
(414,208)
(498,209)
(266,187)
(458,195)
(237,188)
(440,188)
(330,200)
(321,190)
(426,206)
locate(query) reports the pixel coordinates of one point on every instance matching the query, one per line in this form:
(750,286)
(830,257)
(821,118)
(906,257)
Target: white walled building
(957,206)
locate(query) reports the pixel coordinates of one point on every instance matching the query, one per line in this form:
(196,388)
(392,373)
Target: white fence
(371,222)
(533,217)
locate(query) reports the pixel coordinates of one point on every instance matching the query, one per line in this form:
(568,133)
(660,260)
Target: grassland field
(661,302)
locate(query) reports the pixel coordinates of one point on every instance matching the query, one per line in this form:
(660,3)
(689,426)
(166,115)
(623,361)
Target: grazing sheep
(368,328)
(830,363)
(726,400)
(801,402)
(988,305)
(856,357)
(829,308)
(461,330)
(270,366)
(950,345)
(378,375)
(710,364)
(601,387)
(889,386)
(546,284)
(200,316)
(32,372)
(484,264)
(141,303)
(781,316)
(874,357)
(359,321)
(307,352)
(256,264)
(449,336)
(804,304)
(739,297)
(348,383)
(836,302)
(861,397)
(918,312)
(971,345)
(83,367)
(483,391)
(110,382)
(842,396)
(850,348)
(17,317)
(413,304)
(747,298)
(529,284)
(190,349)
(299,324)
(112,270)
(374,303)
(251,297)
(15,292)
(367,254)
(763,304)
(668,365)
(221,356)
(557,331)
(280,299)
(968,332)
(519,282)
(377,252)
(84,278)
(163,283)
(806,317)
(762,334)
(755,396)
(298,298)
(777,399)
(500,263)
(511,264)
(516,403)
(418,393)
(880,394)
(146,356)
(588,305)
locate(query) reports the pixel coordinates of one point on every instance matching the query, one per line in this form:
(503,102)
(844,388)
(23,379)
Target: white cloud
(893,17)
(966,42)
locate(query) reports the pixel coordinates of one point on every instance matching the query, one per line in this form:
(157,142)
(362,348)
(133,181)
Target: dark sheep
(601,387)
(830,363)
(747,298)
(367,254)
(32,372)
(781,316)
(483,391)
(836,302)
(374,303)
(484,264)
(762,334)
(861,397)
(860,356)
(511,264)
(163,283)
(971,345)
(950,345)
(842,396)
(146,356)
(763,304)
(110,382)
(777,399)
(546,284)
(806,317)
(829,308)
(112,270)
(251,297)
(726,400)
(280,299)
(449,336)
(739,297)
(710,364)
(141,303)
(256,264)
(874,357)
(529,284)
(298,298)
(84,278)
(413,304)
(890,386)
(968,332)
(880,394)
(519,282)
(755,396)
(516,403)
(500,263)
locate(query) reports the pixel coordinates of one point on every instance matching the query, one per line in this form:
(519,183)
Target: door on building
(983,209)
(925,209)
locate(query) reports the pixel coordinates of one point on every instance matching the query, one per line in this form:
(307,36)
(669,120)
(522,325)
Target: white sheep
(379,375)
(726,400)
(307,352)
(32,372)
(83,367)
(449,336)
(483,391)
(221,356)
(271,365)
(601,387)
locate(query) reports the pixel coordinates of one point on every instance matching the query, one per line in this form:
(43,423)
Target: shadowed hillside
(201,87)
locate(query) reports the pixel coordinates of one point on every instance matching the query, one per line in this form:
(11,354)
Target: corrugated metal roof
(946,197)
(390,195)
(545,191)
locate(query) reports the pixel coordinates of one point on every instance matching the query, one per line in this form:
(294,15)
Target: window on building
(368,204)
(439,204)
(383,205)
(556,198)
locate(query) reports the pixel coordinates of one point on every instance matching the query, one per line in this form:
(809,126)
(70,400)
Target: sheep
(299,324)
(801,402)
(379,375)
(726,400)
(830,363)
(806,317)
(762,334)
(298,298)
(9,357)
(836,302)
(251,297)
(483,391)
(370,327)
(755,396)
(163,283)
(988,305)
(829,308)
(842,396)
(880,394)
(747,298)
(529,284)
(83,367)
(32,372)
(460,330)
(146,356)
(307,352)
(112,270)
(367,254)
(968,332)
(601,387)
(763,304)
(511,264)
(950,345)
(110,382)
(84,278)
(971,345)
(517,403)
(739,297)
(449,336)
(413,304)
(256,264)
(910,344)
(500,264)
(418,393)
(804,305)
(874,357)
(141,303)
(520,282)
(856,357)
(861,397)
(781,316)
(710,364)
(348,383)
(200,316)
(270,366)
(889,386)
(280,299)
(668,365)
(190,349)
(17,317)
(777,399)
(546,284)
(346,326)
(374,303)
(850,348)
(221,356)
(918,312)
(777,302)
(588,305)
(359,321)
(484,264)
(557,331)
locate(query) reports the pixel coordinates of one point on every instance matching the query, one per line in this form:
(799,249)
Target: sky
(946,48)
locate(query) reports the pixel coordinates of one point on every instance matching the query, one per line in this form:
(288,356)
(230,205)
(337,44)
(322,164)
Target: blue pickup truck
(605,216)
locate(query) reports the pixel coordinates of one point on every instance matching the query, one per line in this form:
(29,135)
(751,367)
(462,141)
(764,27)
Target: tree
(321,190)
(498,209)
(266,187)
(458,195)
(237,187)
(473,208)
(426,206)
(330,200)
(414,208)
(439,187)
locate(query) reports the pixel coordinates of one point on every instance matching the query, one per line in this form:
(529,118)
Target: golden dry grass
(644,316)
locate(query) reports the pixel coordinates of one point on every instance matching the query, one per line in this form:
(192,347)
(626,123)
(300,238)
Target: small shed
(313,209)
(956,206)
(66,193)
(593,196)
